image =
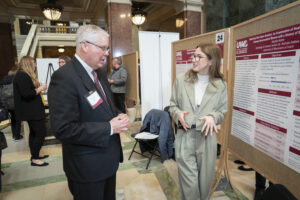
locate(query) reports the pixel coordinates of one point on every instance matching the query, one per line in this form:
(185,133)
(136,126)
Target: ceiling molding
(189,5)
(162,2)
(86,4)
(54,43)
(120,1)
(93,10)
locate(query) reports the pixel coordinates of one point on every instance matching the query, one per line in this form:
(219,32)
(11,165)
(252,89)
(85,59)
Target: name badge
(94,99)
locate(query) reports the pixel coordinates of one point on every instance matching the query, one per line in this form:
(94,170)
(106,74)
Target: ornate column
(39,52)
(188,18)
(119,26)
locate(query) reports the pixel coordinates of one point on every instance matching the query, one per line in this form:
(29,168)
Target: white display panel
(45,71)
(166,40)
(149,71)
(155,69)
(44,68)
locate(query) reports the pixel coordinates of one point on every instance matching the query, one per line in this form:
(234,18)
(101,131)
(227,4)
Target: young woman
(198,103)
(29,106)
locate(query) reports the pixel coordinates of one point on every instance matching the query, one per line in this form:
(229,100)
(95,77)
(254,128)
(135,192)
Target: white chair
(149,140)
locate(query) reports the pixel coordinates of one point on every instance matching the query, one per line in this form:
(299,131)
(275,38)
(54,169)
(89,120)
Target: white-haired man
(84,118)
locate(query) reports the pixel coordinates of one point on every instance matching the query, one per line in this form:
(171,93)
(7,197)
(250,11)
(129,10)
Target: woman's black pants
(36,136)
(15,125)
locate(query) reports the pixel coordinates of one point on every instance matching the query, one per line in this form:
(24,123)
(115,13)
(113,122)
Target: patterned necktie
(96,81)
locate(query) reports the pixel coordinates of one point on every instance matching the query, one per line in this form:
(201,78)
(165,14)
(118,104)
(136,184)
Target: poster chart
(266,105)
(184,59)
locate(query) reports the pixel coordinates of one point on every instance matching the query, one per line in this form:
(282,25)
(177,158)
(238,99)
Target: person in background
(29,106)
(62,60)
(117,80)
(84,118)
(15,123)
(198,104)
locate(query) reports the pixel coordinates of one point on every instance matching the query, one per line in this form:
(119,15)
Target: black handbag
(3,142)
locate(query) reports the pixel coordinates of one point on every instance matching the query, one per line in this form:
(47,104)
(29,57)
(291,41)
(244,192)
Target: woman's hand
(110,81)
(209,124)
(41,88)
(181,120)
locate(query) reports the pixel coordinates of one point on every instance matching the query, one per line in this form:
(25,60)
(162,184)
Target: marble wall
(226,13)
(120,28)
(191,24)
(7,50)
(274,4)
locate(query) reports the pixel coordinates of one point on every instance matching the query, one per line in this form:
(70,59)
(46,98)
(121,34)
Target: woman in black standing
(29,106)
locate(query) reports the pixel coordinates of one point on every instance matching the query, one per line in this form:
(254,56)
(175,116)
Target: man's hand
(181,119)
(209,124)
(120,123)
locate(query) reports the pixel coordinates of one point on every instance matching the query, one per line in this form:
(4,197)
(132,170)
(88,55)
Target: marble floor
(134,182)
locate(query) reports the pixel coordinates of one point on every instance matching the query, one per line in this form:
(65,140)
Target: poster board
(263,82)
(182,51)
(130,62)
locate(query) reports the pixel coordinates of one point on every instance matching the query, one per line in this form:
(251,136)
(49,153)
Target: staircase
(20,40)
(40,35)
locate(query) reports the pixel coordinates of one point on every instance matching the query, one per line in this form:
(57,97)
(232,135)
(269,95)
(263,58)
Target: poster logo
(241,44)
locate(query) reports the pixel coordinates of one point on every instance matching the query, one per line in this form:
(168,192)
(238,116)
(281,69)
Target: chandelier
(138,17)
(51,11)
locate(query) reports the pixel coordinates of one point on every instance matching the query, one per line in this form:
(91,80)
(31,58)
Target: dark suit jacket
(90,153)
(28,105)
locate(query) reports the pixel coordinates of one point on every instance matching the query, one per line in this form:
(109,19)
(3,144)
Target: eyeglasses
(105,49)
(197,58)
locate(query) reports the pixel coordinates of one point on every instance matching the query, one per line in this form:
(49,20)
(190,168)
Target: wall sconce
(179,23)
(61,50)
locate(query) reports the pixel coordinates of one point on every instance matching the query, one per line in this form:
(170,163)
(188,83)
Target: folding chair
(150,143)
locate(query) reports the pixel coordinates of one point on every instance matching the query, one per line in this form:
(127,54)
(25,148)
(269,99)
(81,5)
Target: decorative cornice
(98,22)
(189,5)
(120,1)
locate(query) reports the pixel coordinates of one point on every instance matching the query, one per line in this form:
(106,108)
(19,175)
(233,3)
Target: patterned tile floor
(134,182)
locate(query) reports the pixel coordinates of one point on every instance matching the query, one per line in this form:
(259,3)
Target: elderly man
(85,119)
(118,77)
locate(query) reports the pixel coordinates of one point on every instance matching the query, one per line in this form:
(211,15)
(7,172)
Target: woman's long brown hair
(27,65)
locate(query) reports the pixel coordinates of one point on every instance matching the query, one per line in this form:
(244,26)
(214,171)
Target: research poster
(184,60)
(266,105)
